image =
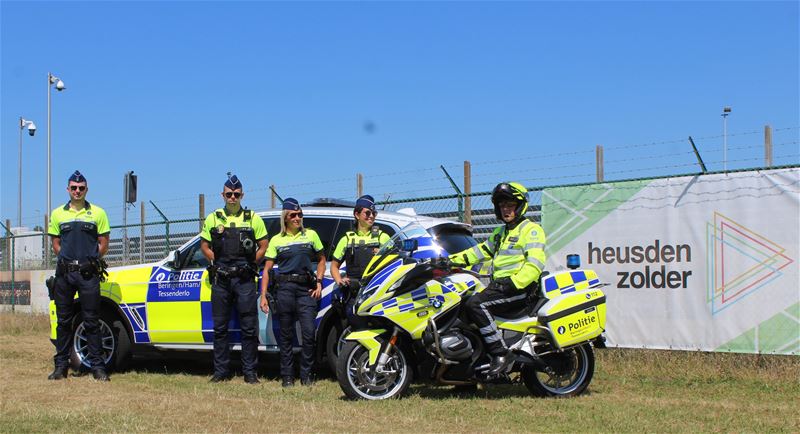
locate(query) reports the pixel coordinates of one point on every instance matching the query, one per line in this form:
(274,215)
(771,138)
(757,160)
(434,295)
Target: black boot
(287,382)
(498,365)
(59,373)
(219,378)
(251,378)
(100,374)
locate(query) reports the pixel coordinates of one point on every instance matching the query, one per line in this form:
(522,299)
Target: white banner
(697,263)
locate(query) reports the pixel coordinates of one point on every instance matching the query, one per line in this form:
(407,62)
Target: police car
(167,304)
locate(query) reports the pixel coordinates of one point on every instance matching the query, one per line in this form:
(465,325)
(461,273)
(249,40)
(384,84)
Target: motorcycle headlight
(366,293)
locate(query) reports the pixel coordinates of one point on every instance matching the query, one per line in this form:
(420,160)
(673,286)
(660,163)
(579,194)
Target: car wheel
(114,340)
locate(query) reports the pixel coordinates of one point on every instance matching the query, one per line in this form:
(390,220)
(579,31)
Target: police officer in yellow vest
(355,249)
(79,231)
(234,240)
(516,250)
(298,287)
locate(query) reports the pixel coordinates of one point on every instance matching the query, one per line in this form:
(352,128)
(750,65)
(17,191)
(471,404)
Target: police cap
(233,183)
(291,204)
(77,177)
(365,201)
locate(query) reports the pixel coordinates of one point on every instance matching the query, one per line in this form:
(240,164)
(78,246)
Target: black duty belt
(234,271)
(295,278)
(70,266)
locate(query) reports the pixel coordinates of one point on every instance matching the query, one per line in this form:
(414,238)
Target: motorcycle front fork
(385,355)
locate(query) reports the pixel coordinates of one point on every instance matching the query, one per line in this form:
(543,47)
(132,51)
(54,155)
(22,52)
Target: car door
(178,306)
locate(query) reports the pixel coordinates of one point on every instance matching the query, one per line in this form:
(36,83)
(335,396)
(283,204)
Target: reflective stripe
(478,252)
(491,328)
(493,338)
(513,266)
(536,262)
(534,246)
(490,244)
(512,252)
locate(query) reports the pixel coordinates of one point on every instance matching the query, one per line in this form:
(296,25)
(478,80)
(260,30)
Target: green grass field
(633,390)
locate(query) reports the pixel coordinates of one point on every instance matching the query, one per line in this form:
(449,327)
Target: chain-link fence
(429,191)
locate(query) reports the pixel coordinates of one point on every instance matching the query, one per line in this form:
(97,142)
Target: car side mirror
(174,259)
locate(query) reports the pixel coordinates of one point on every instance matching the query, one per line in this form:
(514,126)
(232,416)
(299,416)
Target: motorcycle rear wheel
(573,371)
(357,382)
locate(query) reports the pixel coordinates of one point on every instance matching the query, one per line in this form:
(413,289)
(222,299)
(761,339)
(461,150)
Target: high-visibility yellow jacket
(517,253)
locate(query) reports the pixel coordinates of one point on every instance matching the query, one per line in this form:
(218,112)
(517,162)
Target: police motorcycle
(411,299)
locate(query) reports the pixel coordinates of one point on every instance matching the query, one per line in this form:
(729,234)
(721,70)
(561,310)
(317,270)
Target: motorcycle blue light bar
(573,261)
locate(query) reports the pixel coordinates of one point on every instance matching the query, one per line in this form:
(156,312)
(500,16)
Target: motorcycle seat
(529,309)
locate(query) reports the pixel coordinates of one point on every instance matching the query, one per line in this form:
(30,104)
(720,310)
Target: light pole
(725,112)
(31,130)
(59,85)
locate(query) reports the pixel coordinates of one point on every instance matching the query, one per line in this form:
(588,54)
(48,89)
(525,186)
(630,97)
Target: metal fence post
(142,235)
(166,228)
(767,145)
(458,192)
(272,196)
(599,161)
(201,208)
(9,258)
(10,252)
(46,239)
(467,192)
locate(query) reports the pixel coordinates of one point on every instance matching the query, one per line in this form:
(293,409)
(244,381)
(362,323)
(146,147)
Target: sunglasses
(77,187)
(292,215)
(230,194)
(370,213)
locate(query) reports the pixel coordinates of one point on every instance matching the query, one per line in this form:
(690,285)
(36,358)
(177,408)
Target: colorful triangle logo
(739,262)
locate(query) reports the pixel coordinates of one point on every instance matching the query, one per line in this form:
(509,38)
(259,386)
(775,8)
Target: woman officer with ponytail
(355,249)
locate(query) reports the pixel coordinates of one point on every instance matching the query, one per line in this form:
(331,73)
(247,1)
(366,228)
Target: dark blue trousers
(89,296)
(294,304)
(225,294)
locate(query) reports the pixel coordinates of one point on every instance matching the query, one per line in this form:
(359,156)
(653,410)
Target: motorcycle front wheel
(571,373)
(359,381)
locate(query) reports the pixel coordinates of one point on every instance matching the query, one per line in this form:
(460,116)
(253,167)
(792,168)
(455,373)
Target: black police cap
(77,177)
(233,183)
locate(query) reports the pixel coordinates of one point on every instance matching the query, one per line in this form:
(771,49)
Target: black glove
(443,263)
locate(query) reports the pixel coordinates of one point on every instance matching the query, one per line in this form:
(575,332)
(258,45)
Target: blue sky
(280,93)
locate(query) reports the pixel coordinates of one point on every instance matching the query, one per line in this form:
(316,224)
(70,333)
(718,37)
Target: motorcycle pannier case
(576,309)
